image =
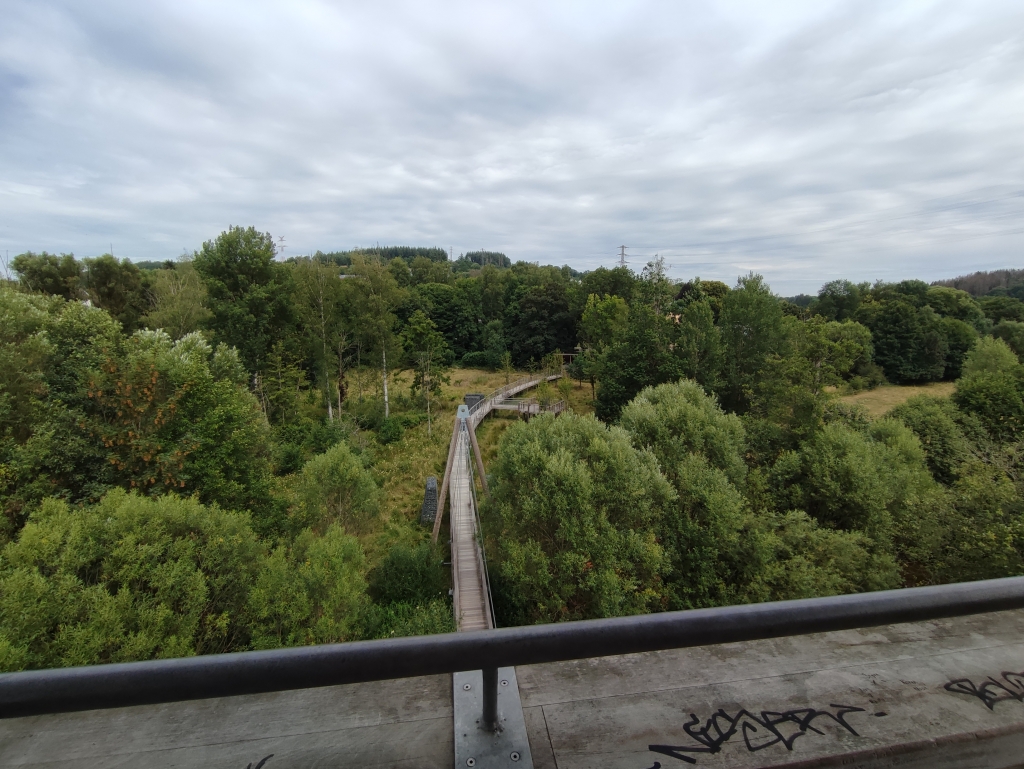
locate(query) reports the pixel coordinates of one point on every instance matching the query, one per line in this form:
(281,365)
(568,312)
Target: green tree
(49,274)
(1011,332)
(752,330)
(377,295)
(678,420)
(838,300)
(574,513)
(934,422)
(168,424)
(119,288)
(640,357)
(604,318)
(320,305)
(698,344)
(179,301)
(248,292)
(311,592)
(910,341)
(128,579)
(427,353)
(336,488)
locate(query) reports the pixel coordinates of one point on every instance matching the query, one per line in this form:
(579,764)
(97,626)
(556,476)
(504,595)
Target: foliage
(49,274)
(247,292)
(179,301)
(310,592)
(336,488)
(752,331)
(129,579)
(640,357)
(677,420)
(574,514)
(410,575)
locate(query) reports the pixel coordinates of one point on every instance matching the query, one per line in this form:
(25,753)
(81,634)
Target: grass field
(880,400)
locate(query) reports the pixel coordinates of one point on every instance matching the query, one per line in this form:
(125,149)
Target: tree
(679,419)
(574,514)
(128,579)
(910,341)
(791,390)
(714,551)
(336,488)
(247,292)
(319,301)
(752,330)
(1011,332)
(427,353)
(118,288)
(49,274)
(838,300)
(952,303)
(168,424)
(311,592)
(377,295)
(179,301)
(603,319)
(698,344)
(934,422)
(640,357)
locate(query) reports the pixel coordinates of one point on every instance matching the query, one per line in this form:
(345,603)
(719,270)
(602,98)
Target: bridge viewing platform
(933,694)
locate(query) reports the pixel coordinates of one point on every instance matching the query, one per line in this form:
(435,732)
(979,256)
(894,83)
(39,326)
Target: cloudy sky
(802,140)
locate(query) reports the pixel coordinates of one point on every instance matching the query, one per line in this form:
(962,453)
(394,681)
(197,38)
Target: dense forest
(227,451)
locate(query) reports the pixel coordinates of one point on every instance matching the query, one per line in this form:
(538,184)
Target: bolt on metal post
(489,722)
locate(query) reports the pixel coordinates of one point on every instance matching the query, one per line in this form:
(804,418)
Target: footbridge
(471,595)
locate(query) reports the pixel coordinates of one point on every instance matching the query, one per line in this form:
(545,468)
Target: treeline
(188,453)
(682,504)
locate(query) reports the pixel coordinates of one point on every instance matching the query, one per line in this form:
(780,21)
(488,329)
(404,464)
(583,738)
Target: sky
(806,141)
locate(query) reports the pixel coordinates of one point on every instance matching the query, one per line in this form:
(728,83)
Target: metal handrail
(223,675)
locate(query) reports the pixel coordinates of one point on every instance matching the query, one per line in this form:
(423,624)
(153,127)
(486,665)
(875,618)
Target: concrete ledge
(924,695)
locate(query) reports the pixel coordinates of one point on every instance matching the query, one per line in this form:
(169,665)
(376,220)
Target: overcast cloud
(805,141)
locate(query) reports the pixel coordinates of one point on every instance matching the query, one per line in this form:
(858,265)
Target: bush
(576,508)
(335,487)
(412,575)
(395,620)
(312,592)
(391,430)
(131,578)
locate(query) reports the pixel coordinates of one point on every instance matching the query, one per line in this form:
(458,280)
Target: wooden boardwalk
(470,591)
(471,597)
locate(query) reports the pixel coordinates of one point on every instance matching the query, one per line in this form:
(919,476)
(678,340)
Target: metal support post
(489,722)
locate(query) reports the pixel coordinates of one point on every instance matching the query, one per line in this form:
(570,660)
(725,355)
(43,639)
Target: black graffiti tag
(261,763)
(991,690)
(759,732)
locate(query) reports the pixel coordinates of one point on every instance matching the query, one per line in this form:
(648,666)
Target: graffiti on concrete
(991,690)
(261,763)
(758,731)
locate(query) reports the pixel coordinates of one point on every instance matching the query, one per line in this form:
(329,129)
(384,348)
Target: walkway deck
(926,695)
(470,590)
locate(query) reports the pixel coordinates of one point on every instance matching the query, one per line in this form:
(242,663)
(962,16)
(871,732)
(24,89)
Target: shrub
(131,578)
(335,487)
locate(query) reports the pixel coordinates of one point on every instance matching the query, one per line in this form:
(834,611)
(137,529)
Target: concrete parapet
(927,695)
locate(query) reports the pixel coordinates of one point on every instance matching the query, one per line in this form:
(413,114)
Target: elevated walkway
(926,695)
(471,598)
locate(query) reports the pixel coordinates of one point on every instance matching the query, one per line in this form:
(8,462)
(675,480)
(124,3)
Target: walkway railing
(225,675)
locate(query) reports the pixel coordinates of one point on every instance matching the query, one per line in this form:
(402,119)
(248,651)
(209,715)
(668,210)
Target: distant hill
(983,283)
